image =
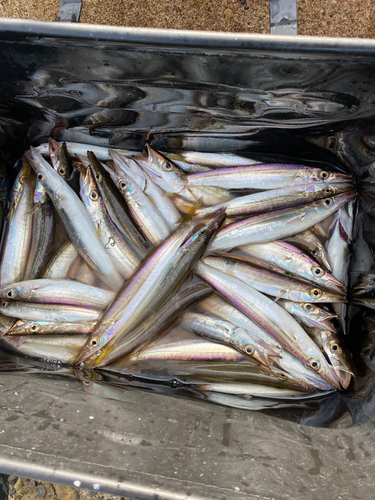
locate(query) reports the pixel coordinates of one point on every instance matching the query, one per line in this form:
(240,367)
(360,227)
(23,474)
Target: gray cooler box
(302,99)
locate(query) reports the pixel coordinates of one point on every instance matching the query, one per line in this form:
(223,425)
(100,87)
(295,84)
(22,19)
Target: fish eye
(328,202)
(281,375)
(324,175)
(334,347)
(98,176)
(40,177)
(168,166)
(33,327)
(10,293)
(328,190)
(317,272)
(308,307)
(250,350)
(123,184)
(62,171)
(94,195)
(3,304)
(94,342)
(202,232)
(315,365)
(316,293)
(314,252)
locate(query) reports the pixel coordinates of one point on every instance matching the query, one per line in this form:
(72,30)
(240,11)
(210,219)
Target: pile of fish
(211,269)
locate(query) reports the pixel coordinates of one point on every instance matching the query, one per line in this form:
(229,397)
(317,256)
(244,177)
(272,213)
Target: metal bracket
(283,17)
(70,11)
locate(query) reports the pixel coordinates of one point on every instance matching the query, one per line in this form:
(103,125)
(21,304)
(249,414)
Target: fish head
(206,232)
(130,167)
(46,175)
(319,175)
(164,172)
(92,350)
(17,291)
(334,203)
(6,306)
(336,352)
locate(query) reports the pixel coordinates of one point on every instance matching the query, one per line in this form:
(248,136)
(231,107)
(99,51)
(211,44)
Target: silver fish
(148,218)
(339,253)
(76,221)
(215,160)
(43,232)
(17,238)
(132,301)
(285,366)
(62,262)
(276,225)
(272,176)
(258,390)
(335,352)
(184,261)
(272,317)
(117,247)
(161,201)
(310,315)
(59,349)
(271,283)
(22,327)
(115,204)
(48,312)
(172,180)
(291,260)
(60,159)
(226,332)
(310,242)
(58,292)
(274,199)
(154,324)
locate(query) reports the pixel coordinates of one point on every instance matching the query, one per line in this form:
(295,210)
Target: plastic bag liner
(304,100)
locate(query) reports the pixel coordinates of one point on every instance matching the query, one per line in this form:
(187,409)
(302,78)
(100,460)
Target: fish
(48,312)
(62,262)
(283,257)
(283,365)
(156,323)
(310,315)
(271,283)
(172,179)
(277,225)
(310,242)
(18,231)
(272,317)
(43,232)
(260,177)
(60,158)
(131,303)
(25,327)
(160,200)
(274,199)
(225,332)
(251,390)
(149,219)
(116,205)
(120,249)
(214,160)
(184,261)
(58,291)
(339,253)
(330,344)
(76,221)
(56,349)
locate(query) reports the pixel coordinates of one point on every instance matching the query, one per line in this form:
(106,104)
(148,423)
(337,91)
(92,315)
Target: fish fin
(190,215)
(74,349)
(280,295)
